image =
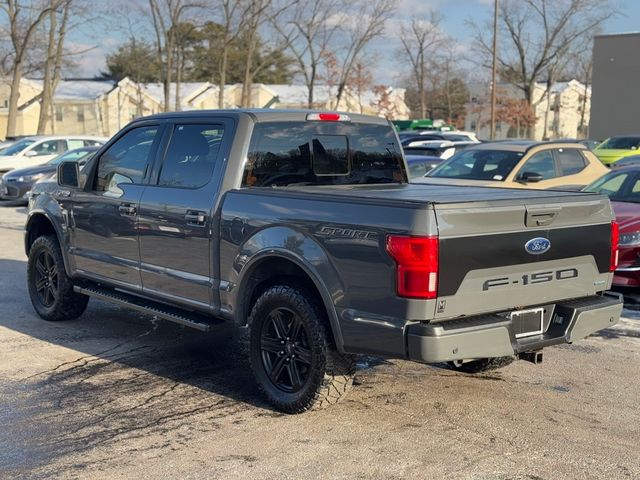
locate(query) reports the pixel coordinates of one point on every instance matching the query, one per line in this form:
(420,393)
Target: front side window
(50,147)
(541,163)
(191,156)
(126,160)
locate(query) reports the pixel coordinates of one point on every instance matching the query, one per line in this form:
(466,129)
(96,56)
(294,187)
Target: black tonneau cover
(429,193)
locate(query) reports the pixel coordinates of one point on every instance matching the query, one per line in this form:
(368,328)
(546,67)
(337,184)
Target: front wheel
(50,289)
(292,354)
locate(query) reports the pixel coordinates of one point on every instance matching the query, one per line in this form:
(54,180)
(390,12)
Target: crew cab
(302,226)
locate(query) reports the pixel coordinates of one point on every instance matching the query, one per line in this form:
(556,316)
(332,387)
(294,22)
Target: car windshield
(620,143)
(17,147)
(623,186)
(71,156)
(478,165)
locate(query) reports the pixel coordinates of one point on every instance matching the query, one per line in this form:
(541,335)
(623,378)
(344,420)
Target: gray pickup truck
(302,226)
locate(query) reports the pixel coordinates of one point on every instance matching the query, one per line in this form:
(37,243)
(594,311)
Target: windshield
(620,143)
(478,165)
(17,147)
(71,156)
(618,186)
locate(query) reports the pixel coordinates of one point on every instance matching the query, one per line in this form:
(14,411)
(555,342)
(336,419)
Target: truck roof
(269,115)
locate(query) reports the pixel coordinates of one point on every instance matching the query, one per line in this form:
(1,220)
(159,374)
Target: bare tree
(365,22)
(166,15)
(308,34)
(419,40)
(258,14)
(24,18)
(58,23)
(538,34)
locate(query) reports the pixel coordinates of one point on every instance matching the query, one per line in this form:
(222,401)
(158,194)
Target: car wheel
(50,289)
(292,354)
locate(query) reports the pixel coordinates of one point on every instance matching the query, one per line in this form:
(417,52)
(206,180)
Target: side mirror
(530,177)
(69,174)
(31,153)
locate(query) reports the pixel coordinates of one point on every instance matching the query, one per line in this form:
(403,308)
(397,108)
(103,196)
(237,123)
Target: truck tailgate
(485,265)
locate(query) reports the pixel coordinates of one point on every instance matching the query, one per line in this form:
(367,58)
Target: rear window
(478,165)
(322,153)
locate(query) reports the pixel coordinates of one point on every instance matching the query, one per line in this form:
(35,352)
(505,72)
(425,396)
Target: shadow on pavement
(131,376)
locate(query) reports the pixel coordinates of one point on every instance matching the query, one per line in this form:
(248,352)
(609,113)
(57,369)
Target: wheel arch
(269,267)
(40,223)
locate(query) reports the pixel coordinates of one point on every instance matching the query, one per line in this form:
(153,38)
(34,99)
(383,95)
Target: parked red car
(623,188)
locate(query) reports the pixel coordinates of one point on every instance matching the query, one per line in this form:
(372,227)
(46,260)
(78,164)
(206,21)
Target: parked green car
(615,148)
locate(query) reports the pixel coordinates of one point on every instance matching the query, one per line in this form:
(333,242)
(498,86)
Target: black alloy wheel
(292,352)
(286,355)
(50,288)
(46,279)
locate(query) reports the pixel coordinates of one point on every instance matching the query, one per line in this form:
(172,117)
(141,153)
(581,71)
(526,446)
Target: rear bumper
(493,336)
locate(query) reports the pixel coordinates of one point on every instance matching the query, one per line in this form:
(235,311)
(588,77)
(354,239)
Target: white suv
(31,151)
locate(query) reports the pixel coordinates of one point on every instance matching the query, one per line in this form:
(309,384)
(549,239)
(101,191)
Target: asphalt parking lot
(118,395)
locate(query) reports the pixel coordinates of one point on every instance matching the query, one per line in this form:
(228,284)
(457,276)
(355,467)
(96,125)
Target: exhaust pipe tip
(533,357)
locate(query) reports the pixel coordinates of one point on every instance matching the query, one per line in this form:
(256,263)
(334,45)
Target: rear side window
(571,161)
(322,153)
(125,161)
(72,144)
(191,156)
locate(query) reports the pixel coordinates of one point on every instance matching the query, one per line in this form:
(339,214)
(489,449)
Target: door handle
(127,209)
(196,218)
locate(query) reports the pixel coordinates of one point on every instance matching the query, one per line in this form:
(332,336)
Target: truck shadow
(129,376)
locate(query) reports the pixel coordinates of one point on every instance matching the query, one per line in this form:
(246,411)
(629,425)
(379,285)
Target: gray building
(615,99)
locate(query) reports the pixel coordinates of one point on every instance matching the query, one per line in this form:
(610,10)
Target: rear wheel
(292,354)
(482,364)
(50,289)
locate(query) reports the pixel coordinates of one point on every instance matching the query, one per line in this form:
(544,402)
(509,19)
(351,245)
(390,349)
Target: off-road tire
(330,373)
(482,364)
(67,304)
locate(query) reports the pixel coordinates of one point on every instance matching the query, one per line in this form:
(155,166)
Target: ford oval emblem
(537,246)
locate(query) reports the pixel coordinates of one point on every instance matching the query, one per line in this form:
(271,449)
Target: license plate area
(528,322)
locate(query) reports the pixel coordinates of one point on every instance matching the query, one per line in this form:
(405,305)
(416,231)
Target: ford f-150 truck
(302,226)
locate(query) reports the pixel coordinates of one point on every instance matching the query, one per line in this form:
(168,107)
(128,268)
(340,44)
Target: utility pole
(493,71)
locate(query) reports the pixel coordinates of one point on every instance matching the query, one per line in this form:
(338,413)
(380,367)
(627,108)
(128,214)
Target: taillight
(615,239)
(416,265)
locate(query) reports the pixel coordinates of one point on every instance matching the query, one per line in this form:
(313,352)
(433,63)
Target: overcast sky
(387,66)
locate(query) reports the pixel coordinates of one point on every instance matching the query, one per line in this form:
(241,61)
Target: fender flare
(320,271)
(41,213)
